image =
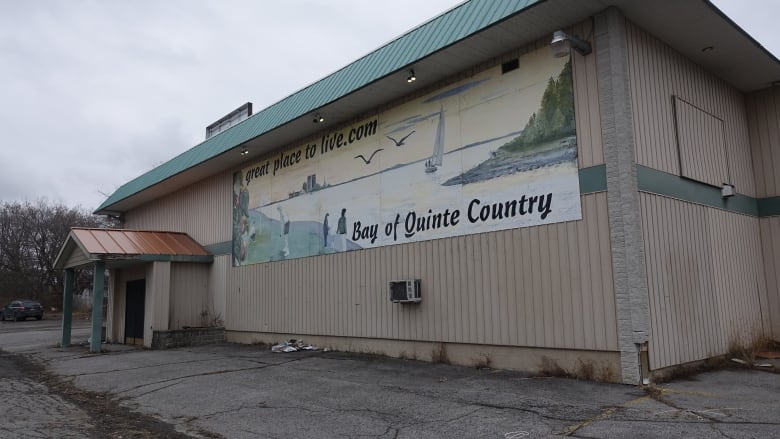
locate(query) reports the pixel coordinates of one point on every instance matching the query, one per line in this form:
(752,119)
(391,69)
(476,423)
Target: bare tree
(31,235)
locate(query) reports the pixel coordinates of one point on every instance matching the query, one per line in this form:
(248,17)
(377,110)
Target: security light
(727,190)
(562,43)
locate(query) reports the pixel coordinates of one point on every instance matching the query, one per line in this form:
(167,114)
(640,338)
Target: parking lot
(238,391)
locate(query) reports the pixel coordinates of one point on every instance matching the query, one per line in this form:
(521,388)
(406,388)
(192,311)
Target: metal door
(134,311)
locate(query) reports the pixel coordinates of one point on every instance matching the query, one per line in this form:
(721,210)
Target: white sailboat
(432,164)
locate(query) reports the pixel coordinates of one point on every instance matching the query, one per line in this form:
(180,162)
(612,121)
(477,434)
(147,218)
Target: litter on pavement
(293,345)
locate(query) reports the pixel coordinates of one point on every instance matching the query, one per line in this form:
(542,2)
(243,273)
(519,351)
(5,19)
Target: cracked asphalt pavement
(243,391)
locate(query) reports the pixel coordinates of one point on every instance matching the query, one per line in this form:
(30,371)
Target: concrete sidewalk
(242,391)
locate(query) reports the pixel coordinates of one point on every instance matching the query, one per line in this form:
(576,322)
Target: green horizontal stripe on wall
(220,248)
(769,206)
(674,186)
(593,179)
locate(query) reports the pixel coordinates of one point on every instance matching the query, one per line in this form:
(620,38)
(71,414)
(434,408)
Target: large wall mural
(492,152)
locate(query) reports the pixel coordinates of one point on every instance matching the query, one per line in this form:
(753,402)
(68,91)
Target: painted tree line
(555,118)
(31,235)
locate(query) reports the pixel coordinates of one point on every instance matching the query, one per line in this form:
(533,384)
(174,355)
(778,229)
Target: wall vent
(510,65)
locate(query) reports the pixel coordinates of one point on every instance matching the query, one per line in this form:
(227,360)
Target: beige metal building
(667,252)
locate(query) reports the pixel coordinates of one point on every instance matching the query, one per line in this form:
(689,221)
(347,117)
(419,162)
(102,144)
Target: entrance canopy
(107,248)
(84,246)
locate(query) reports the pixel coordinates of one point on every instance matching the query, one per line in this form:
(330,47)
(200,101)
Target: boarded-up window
(701,144)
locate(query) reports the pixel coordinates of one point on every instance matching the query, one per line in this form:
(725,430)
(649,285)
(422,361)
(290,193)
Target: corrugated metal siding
(700,144)
(764,115)
(76,258)
(586,103)
(539,286)
(202,210)
(770,240)
(160,303)
(189,294)
(657,73)
(543,286)
(218,274)
(705,279)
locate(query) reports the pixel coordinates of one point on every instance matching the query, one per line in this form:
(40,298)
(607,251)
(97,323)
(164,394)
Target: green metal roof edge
(436,34)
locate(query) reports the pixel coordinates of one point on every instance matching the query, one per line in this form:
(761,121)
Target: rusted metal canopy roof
(85,245)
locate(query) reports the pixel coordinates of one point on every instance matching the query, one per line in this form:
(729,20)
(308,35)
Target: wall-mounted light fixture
(412,77)
(727,190)
(244,151)
(562,43)
(318,119)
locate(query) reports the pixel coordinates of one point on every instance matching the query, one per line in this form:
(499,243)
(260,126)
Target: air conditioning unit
(405,291)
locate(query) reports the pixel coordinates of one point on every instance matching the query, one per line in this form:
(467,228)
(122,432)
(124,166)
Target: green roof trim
(207,259)
(436,34)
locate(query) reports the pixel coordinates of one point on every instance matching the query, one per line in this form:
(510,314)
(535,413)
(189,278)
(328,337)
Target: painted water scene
(491,152)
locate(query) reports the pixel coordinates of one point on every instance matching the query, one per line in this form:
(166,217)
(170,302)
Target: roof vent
(233,118)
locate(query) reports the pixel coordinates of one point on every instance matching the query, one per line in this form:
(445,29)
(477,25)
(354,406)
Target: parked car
(21,309)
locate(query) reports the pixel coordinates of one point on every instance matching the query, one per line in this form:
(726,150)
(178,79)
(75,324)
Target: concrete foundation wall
(597,365)
(178,338)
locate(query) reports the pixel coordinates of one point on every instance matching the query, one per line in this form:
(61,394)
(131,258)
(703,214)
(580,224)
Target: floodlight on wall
(412,77)
(244,151)
(318,119)
(727,190)
(562,43)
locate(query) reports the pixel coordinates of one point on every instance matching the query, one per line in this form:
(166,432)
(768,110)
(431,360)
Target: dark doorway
(134,312)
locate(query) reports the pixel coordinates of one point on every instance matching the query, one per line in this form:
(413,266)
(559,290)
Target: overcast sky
(95,93)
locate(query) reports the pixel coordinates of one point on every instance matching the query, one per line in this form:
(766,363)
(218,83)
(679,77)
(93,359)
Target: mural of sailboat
(433,163)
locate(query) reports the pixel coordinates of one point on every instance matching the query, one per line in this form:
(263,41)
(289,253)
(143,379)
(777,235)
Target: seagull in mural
(400,142)
(370,158)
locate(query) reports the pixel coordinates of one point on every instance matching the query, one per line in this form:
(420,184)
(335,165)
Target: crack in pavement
(157,389)
(235,410)
(437,421)
(330,410)
(520,409)
(482,404)
(722,433)
(605,414)
(216,372)
(57,408)
(142,367)
(692,422)
(387,431)
(657,394)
